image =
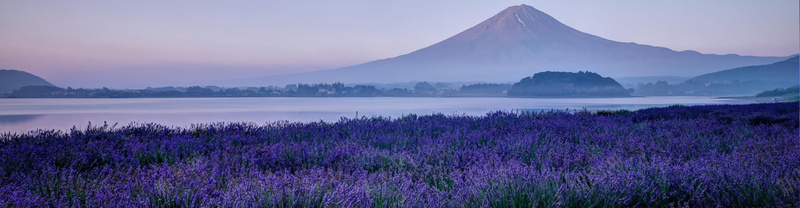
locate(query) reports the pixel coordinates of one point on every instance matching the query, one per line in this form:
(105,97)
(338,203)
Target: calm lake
(22,115)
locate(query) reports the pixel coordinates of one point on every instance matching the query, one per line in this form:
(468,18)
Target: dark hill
(567,84)
(11,80)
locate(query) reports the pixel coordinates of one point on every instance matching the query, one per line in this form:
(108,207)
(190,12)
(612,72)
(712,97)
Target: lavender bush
(699,156)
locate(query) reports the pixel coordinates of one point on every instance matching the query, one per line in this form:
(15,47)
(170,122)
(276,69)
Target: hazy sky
(139,43)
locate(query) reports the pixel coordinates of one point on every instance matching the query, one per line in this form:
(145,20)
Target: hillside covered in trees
(567,84)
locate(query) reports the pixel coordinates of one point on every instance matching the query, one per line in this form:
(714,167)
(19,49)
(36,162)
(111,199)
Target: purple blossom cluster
(696,156)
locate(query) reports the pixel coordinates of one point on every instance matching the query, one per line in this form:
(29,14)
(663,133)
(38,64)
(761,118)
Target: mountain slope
(783,71)
(520,41)
(741,81)
(11,80)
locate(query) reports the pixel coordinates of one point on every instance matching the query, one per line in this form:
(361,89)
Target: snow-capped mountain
(518,42)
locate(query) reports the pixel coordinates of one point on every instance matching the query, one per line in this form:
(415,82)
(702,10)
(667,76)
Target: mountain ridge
(783,71)
(740,81)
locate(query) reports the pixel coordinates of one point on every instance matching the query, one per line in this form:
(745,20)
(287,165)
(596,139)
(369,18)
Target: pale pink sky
(131,44)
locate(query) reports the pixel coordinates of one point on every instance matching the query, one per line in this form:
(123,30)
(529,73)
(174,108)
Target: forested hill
(567,84)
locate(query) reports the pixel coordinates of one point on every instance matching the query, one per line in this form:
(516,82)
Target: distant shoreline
(515,97)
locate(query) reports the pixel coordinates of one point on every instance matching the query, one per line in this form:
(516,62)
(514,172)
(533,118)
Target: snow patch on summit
(520,20)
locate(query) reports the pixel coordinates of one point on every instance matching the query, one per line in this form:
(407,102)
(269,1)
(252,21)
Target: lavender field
(697,156)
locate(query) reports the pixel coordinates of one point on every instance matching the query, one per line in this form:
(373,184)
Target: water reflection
(11,119)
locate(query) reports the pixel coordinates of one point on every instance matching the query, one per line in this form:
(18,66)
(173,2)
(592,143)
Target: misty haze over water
(22,115)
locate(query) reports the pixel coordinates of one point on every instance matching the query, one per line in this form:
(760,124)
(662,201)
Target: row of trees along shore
(543,84)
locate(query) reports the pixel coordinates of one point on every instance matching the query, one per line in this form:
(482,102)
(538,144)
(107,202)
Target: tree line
(421,89)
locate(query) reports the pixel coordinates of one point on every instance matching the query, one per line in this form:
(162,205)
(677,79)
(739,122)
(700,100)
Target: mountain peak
(522,8)
(527,15)
(516,23)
